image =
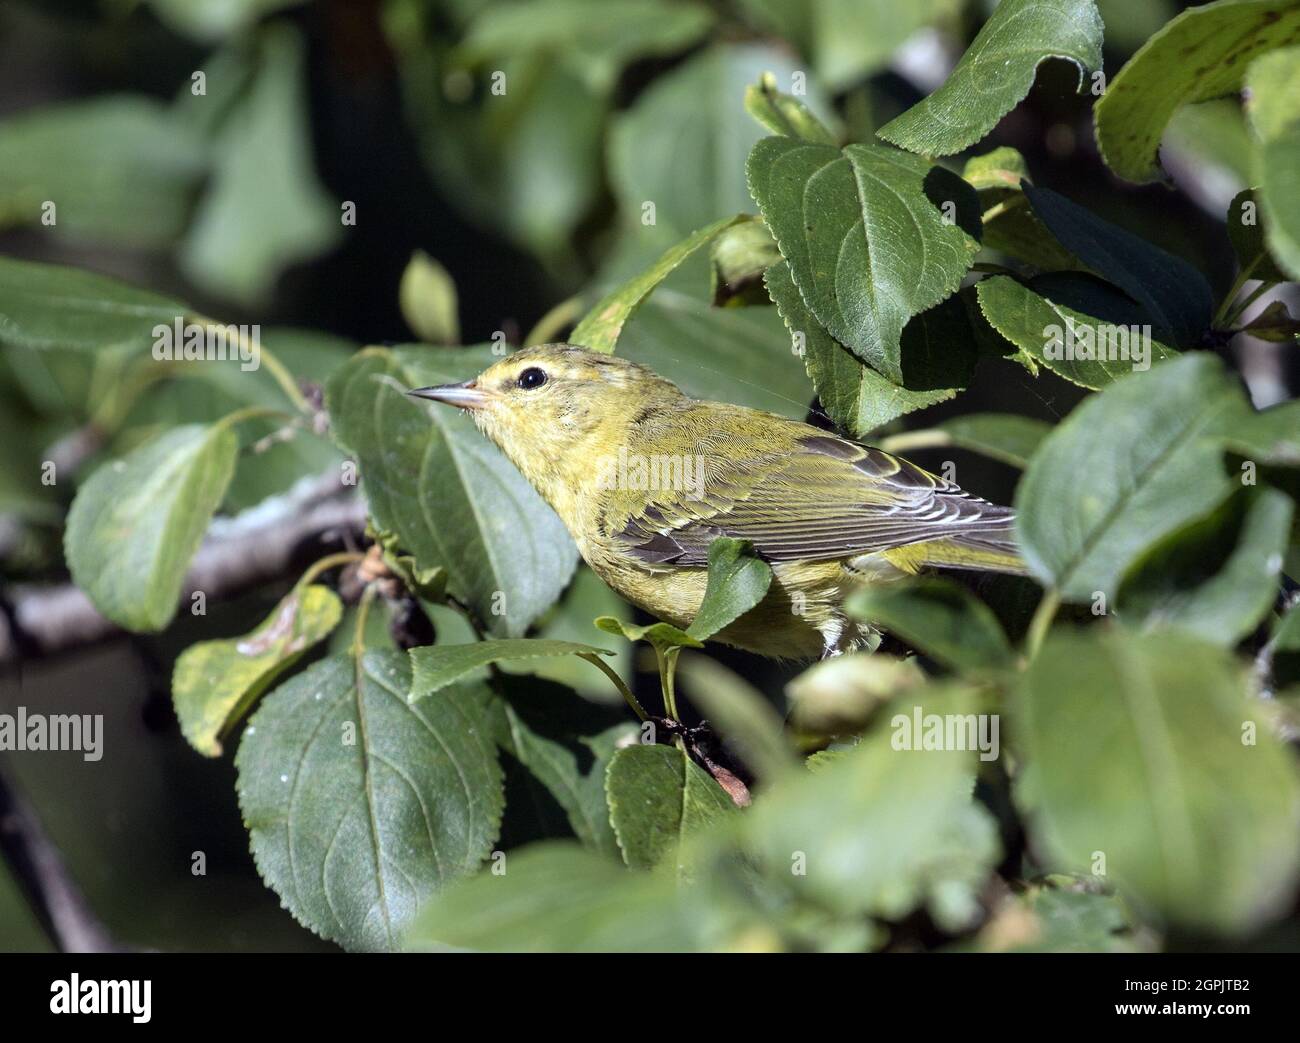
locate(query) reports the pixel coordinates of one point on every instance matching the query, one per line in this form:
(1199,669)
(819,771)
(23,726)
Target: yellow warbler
(645,478)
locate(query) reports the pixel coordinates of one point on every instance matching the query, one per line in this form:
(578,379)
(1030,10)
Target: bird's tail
(990,550)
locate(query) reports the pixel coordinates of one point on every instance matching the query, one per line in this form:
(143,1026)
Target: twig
(238,553)
(39,871)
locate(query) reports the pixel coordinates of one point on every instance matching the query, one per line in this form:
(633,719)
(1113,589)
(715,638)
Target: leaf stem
(274,366)
(1042,621)
(1239,311)
(1220,320)
(363,611)
(328,562)
(618,682)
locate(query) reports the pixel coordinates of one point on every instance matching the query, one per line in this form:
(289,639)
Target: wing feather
(817,498)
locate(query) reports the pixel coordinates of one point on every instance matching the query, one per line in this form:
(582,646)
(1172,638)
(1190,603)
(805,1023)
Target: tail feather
(993,550)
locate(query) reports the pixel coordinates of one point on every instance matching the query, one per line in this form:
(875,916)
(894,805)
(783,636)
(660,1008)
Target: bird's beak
(465,396)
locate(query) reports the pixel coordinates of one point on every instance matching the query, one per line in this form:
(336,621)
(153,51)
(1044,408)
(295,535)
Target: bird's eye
(532,377)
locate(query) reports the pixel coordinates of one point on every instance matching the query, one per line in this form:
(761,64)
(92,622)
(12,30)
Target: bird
(645,478)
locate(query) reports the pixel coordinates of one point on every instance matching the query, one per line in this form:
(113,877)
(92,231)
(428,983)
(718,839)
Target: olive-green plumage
(646,478)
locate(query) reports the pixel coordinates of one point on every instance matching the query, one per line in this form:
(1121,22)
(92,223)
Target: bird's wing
(817,498)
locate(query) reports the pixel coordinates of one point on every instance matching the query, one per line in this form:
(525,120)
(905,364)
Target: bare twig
(39,871)
(237,553)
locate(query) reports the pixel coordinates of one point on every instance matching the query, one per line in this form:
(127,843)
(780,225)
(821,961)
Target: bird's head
(555,409)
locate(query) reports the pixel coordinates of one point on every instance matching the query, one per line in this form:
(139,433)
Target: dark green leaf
(361,806)
(1010,226)
(451,498)
(1194,813)
(657,797)
(996,72)
(434,667)
(118,169)
(600,328)
(853,394)
(891,236)
(264,209)
(1270,437)
(682,146)
(1246,233)
(1128,467)
(737,582)
(1175,294)
(939,618)
(1077,326)
(48,306)
(135,524)
(1216,577)
(557,897)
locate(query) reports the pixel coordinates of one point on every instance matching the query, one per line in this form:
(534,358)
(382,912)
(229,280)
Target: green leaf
(996,72)
(1195,811)
(737,582)
(888,240)
(1009,224)
(1077,326)
(361,806)
(682,145)
(526,162)
(782,114)
(1175,294)
(214,683)
(49,306)
(853,394)
(556,897)
(850,39)
(882,828)
(1246,233)
(702,349)
(657,797)
(600,328)
(135,524)
(1274,83)
(659,635)
(434,667)
(590,36)
(1000,436)
(741,716)
(118,169)
(1127,468)
(427,297)
(737,261)
(1269,437)
(551,734)
(1216,577)
(209,20)
(940,619)
(1201,54)
(265,209)
(454,501)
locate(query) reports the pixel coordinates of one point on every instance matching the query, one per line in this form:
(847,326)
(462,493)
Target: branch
(39,871)
(237,553)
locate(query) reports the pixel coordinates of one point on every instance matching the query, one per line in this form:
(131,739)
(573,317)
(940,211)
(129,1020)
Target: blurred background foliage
(237,199)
